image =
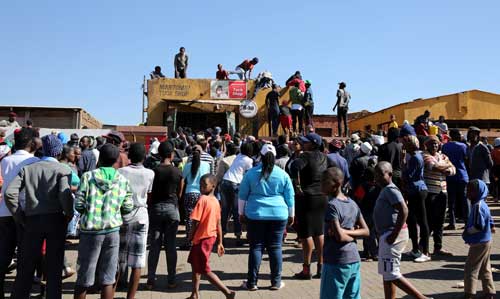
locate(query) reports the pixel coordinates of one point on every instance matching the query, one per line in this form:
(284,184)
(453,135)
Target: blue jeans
(229,205)
(262,235)
(340,281)
(457,201)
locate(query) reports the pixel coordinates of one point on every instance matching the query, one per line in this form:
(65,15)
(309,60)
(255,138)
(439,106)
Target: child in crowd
(285,117)
(477,234)
(389,216)
(341,277)
(206,229)
(366,195)
(104,195)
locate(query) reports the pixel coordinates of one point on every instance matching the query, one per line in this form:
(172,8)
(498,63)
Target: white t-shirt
(141,182)
(241,164)
(344,97)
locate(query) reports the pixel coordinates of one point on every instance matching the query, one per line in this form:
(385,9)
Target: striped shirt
(206,157)
(434,179)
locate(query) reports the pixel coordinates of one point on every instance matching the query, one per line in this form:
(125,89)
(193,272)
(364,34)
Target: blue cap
(407,130)
(311,137)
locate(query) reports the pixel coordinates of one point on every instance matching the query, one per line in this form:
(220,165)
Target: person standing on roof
(221,74)
(273,110)
(181,64)
(244,69)
(308,104)
(296,97)
(156,74)
(342,105)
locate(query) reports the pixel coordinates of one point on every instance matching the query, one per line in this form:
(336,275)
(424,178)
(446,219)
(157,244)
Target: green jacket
(296,96)
(101,202)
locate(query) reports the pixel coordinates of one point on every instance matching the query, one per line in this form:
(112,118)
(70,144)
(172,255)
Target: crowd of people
(117,197)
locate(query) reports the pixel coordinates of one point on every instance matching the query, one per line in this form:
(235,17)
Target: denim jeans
(229,206)
(262,235)
(164,231)
(458,205)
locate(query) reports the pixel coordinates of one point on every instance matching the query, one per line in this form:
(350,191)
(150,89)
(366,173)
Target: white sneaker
(275,288)
(414,254)
(422,259)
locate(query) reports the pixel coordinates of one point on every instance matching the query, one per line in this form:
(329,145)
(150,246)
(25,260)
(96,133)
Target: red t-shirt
(222,75)
(207,213)
(246,65)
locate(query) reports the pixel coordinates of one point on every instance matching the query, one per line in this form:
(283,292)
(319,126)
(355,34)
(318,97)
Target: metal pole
(143,97)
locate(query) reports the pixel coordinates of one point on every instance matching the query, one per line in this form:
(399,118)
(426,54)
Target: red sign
(237,90)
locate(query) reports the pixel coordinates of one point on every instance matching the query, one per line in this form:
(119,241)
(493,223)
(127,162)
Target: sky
(94,54)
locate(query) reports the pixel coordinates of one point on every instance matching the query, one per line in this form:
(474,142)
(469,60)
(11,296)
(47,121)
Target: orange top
(495,155)
(207,212)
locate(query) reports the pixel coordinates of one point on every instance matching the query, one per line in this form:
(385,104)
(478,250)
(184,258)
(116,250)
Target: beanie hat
(52,146)
(407,130)
(108,154)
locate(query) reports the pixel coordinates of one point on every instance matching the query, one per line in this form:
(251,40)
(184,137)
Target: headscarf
(431,138)
(414,141)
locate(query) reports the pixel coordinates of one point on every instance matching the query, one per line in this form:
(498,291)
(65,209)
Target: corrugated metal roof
(39,107)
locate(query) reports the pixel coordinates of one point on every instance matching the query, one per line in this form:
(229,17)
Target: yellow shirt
(393,124)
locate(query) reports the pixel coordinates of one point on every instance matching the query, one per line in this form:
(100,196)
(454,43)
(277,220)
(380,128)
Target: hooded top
(102,199)
(478,228)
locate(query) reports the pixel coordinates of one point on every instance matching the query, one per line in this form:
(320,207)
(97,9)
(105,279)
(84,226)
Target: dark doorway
(201,121)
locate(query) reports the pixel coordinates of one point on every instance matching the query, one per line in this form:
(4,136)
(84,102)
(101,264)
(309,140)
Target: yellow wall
(181,90)
(468,105)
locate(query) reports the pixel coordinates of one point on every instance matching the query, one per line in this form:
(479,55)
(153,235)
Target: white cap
(497,142)
(378,139)
(366,147)
(266,148)
(154,147)
(354,137)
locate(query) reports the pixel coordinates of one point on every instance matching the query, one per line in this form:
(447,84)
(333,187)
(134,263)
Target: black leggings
(418,215)
(436,211)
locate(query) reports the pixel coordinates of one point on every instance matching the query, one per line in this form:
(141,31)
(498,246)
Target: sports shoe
(247,287)
(276,288)
(414,254)
(422,259)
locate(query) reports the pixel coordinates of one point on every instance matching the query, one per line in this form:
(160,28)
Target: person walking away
(413,175)
(104,195)
(390,216)
(458,205)
(480,161)
(344,223)
(285,117)
(366,196)
(437,167)
(181,60)
(244,69)
(477,234)
(495,156)
(306,172)
(266,205)
(391,151)
(206,230)
(308,104)
(192,173)
(342,106)
(230,187)
(10,230)
(87,161)
(134,231)
(47,209)
(296,97)
(167,189)
(221,73)
(273,110)
(334,148)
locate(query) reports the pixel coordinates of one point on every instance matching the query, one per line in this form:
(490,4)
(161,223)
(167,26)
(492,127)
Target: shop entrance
(199,121)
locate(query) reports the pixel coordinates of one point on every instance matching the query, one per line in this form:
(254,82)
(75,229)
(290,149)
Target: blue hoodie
(478,228)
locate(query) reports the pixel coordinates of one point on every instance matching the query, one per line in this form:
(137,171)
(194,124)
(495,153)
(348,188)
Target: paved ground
(436,278)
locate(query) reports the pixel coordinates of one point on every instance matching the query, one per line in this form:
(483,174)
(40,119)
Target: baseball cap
(474,129)
(308,82)
(311,137)
(366,147)
(354,137)
(266,148)
(116,136)
(12,114)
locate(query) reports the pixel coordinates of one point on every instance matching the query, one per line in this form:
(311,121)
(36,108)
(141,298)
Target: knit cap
(52,146)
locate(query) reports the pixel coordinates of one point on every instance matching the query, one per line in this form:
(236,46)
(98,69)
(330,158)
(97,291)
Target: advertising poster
(223,89)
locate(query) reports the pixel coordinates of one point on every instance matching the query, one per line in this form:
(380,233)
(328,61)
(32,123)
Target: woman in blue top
(266,203)
(192,173)
(416,190)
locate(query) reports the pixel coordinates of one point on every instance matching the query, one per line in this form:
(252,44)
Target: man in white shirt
(343,98)
(10,167)
(230,186)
